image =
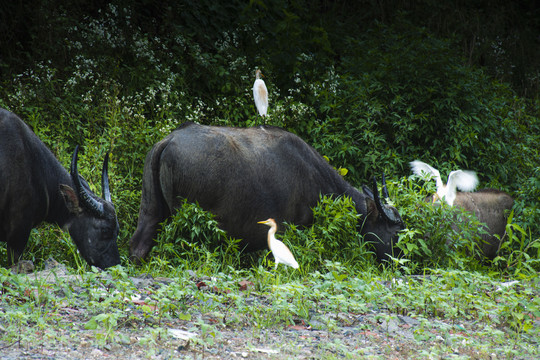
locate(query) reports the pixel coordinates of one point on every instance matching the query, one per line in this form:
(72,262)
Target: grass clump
(191,239)
(333,236)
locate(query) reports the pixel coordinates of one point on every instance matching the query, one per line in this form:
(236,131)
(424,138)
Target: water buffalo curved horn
(367,191)
(85,196)
(105,178)
(384,189)
(383,209)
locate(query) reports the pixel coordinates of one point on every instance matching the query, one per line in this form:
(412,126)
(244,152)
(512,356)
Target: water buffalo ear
(71,199)
(372,210)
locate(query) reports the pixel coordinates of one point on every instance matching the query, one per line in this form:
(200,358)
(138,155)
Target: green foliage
(193,240)
(112,309)
(371,86)
(438,235)
(333,236)
(520,253)
(107,323)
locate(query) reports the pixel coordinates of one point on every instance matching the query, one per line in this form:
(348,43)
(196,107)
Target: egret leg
(276,275)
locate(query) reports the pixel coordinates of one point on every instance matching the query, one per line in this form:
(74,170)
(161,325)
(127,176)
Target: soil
(376,334)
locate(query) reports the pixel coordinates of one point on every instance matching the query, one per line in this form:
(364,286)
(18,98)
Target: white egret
(260,94)
(281,252)
(461,179)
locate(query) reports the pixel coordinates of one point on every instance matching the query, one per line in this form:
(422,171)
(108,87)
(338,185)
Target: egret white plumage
(260,94)
(460,179)
(281,252)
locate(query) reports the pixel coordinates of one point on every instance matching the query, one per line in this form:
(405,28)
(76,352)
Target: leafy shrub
(333,236)
(191,238)
(520,252)
(437,235)
(370,95)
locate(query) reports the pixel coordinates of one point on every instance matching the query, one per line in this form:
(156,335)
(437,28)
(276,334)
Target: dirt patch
(201,326)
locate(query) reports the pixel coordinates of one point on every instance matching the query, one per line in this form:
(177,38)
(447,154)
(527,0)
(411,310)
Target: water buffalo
(35,187)
(490,207)
(243,175)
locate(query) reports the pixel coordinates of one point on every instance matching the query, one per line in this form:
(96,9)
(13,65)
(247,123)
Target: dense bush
(191,239)
(333,236)
(437,235)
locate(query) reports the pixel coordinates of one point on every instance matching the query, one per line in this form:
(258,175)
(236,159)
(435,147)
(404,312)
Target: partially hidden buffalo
(35,187)
(243,175)
(491,207)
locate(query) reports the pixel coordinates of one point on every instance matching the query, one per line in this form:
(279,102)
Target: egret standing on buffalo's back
(260,94)
(281,252)
(462,179)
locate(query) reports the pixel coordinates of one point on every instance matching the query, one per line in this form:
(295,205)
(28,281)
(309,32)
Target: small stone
(50,263)
(181,334)
(23,267)
(96,352)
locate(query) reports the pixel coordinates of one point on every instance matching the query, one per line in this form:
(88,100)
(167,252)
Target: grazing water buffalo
(243,175)
(490,207)
(35,187)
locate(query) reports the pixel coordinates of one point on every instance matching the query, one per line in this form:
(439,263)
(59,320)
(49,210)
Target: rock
(507,284)
(391,326)
(181,334)
(408,320)
(23,267)
(50,263)
(266,351)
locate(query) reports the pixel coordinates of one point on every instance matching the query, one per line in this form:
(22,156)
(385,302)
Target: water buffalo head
(382,223)
(93,225)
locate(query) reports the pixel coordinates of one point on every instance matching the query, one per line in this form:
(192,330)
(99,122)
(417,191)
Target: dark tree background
(501,36)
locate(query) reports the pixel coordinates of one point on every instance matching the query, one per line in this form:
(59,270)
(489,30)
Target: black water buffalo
(490,207)
(35,187)
(244,175)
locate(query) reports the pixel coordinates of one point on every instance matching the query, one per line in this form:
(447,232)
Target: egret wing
(282,254)
(260,95)
(424,170)
(463,180)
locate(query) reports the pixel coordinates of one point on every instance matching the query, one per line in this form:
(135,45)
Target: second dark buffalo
(243,175)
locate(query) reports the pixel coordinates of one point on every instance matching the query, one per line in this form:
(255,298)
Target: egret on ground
(461,179)
(260,94)
(281,252)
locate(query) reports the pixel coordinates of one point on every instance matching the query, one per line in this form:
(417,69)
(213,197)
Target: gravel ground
(374,334)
